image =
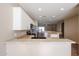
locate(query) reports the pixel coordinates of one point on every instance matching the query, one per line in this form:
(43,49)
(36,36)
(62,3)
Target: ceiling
(50,12)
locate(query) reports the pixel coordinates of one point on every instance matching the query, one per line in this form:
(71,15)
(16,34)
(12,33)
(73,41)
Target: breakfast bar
(39,47)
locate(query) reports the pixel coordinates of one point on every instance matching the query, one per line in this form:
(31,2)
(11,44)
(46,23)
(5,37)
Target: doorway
(62,29)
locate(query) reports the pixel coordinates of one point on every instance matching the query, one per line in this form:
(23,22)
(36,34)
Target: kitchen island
(39,47)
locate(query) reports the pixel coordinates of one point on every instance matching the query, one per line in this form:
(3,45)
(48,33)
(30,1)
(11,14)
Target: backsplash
(19,33)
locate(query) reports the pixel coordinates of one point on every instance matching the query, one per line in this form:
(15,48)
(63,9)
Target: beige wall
(71,28)
(59,27)
(50,27)
(78,29)
(6,32)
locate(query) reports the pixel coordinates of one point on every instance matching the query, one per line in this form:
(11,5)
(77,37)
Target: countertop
(42,40)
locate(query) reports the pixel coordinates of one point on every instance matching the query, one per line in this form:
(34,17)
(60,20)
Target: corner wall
(6,32)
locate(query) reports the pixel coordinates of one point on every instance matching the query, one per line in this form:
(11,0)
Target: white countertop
(42,40)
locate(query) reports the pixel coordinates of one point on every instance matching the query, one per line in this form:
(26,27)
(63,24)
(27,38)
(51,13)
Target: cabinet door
(16,18)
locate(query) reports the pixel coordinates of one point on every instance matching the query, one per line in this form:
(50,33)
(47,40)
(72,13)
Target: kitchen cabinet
(47,47)
(21,20)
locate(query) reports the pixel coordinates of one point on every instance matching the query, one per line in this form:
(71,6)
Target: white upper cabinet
(16,18)
(21,21)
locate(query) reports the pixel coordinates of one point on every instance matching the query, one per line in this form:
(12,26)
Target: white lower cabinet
(38,49)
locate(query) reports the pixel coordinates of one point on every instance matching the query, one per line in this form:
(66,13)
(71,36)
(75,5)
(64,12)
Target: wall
(58,29)
(78,31)
(59,26)
(50,27)
(2,48)
(6,32)
(71,28)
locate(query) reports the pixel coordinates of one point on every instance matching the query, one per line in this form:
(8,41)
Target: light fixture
(39,9)
(40,16)
(61,9)
(53,16)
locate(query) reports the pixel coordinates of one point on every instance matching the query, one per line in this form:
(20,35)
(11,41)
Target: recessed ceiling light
(53,16)
(40,16)
(61,9)
(39,9)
